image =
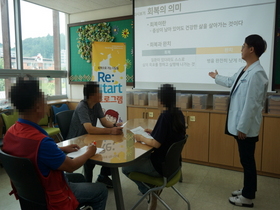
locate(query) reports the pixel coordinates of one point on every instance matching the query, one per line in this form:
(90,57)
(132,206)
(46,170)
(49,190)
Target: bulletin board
(121,29)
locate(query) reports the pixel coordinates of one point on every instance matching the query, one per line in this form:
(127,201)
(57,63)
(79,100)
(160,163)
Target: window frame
(8,72)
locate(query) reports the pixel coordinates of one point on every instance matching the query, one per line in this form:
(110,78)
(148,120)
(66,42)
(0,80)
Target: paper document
(141,131)
(82,151)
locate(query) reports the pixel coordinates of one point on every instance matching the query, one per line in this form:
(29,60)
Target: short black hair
(90,88)
(167,95)
(257,42)
(24,94)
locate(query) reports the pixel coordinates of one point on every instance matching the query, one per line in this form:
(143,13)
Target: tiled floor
(207,188)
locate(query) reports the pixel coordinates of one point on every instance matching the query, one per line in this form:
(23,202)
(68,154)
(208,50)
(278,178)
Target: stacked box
(220,102)
(136,98)
(184,100)
(153,99)
(129,98)
(199,101)
(140,98)
(273,104)
(265,106)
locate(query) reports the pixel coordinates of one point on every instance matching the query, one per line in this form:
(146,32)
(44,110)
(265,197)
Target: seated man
(26,139)
(84,121)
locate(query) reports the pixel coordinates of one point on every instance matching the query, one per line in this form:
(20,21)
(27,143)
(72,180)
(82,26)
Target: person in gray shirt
(84,121)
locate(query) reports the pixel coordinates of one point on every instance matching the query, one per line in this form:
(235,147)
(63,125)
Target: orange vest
(23,140)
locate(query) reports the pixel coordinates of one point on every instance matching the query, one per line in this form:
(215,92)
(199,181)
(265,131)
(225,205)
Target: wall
(76,91)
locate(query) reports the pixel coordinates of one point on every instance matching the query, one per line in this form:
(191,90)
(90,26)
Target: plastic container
(129,98)
(199,101)
(140,98)
(184,100)
(273,104)
(220,102)
(153,99)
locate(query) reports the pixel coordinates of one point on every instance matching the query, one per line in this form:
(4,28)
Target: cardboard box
(140,98)
(220,102)
(153,99)
(129,98)
(199,101)
(273,105)
(183,100)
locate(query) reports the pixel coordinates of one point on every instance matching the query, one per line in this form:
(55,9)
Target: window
(53,86)
(2,89)
(33,46)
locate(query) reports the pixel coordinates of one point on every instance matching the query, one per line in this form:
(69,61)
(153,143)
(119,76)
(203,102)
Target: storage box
(199,101)
(273,104)
(140,98)
(153,99)
(220,102)
(129,98)
(183,100)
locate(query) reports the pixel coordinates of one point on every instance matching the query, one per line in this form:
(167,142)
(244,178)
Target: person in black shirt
(170,127)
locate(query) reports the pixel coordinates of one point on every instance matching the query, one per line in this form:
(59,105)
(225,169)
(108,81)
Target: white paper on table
(141,131)
(81,151)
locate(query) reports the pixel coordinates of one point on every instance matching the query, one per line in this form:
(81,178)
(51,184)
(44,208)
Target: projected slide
(181,41)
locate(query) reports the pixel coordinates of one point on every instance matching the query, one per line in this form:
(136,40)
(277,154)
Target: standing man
(84,121)
(27,139)
(247,97)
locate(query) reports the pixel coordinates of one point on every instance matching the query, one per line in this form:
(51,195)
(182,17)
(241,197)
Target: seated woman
(170,127)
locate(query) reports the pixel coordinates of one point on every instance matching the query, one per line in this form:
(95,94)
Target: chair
(1,145)
(171,168)
(44,123)
(1,142)
(24,177)
(10,119)
(63,120)
(55,110)
(26,181)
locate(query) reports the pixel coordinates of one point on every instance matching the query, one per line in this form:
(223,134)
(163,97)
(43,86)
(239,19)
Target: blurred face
(245,51)
(41,107)
(97,97)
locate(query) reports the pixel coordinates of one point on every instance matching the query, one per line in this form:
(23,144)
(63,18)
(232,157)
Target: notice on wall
(109,70)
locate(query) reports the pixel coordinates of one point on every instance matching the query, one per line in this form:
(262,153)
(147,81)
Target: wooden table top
(119,150)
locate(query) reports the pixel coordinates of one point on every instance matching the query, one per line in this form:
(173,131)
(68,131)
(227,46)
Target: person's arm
(70,165)
(151,142)
(106,123)
(148,130)
(52,157)
(95,130)
(213,74)
(85,120)
(223,80)
(70,148)
(241,135)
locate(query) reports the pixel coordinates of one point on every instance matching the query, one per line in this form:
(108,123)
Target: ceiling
(80,6)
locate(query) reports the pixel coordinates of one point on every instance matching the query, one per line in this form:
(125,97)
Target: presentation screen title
(180,42)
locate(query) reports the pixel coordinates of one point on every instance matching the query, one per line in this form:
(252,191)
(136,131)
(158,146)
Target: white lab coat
(247,99)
